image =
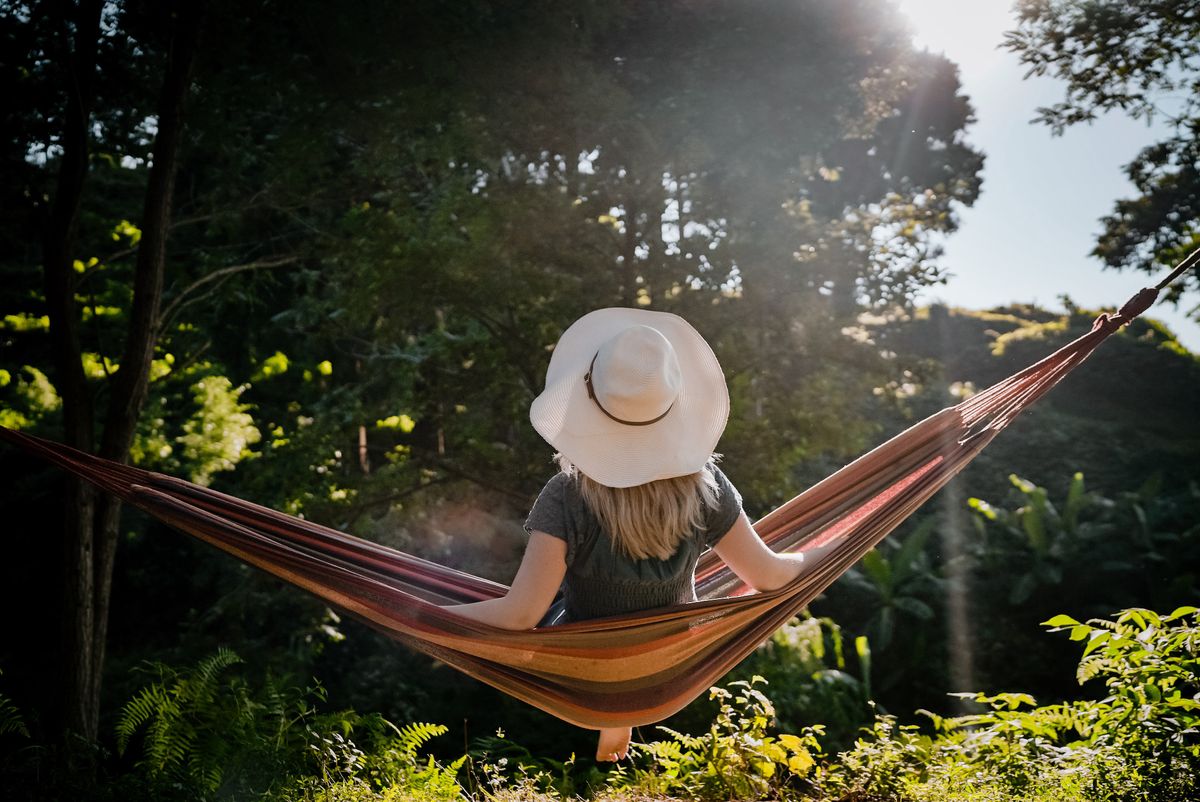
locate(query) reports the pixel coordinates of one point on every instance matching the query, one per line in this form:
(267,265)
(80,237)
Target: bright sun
(967,32)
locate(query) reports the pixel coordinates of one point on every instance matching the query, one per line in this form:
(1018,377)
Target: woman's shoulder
(720,517)
(561,485)
(553,511)
(726,492)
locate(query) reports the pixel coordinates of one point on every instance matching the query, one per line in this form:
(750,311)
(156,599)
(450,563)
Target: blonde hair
(649,520)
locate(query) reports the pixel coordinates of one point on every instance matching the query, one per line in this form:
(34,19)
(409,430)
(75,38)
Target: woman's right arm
(753,560)
(532,591)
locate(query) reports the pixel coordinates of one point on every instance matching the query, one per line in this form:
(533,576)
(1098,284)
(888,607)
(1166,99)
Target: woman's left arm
(754,562)
(533,589)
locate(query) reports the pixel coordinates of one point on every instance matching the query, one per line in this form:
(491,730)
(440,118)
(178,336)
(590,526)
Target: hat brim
(616,454)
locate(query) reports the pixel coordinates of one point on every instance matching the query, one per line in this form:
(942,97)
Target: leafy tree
(692,171)
(1139,58)
(69,51)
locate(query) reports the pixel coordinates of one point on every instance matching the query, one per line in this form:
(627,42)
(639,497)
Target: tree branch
(224,272)
(361,508)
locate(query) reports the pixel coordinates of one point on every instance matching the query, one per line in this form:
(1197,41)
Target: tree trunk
(58,247)
(93,523)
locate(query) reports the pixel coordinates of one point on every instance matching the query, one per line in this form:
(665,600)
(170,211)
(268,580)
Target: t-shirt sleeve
(719,521)
(549,512)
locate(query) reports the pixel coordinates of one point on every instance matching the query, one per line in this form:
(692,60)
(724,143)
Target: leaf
(800,762)
(862,648)
(1099,637)
(1135,615)
(1152,487)
(1060,620)
(1075,502)
(880,571)
(1024,485)
(1034,522)
(1023,589)
(915,607)
(983,508)
(912,547)
(885,625)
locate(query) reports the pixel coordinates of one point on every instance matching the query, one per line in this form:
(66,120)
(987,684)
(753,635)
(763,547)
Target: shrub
(735,759)
(204,732)
(1139,743)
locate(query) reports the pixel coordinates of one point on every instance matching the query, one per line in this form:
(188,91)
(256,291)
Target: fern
(191,723)
(137,711)
(413,736)
(10,719)
(205,731)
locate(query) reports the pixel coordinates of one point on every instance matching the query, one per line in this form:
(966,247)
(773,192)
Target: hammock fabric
(625,670)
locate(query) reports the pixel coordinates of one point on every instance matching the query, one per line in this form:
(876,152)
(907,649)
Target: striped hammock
(625,670)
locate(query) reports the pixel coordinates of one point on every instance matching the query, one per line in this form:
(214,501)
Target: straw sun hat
(632,396)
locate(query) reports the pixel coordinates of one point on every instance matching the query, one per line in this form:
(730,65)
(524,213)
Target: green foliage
(735,759)
(27,400)
(900,581)
(11,721)
(220,433)
(1039,545)
(887,761)
(1139,58)
(197,727)
(203,732)
(1043,536)
(1150,666)
(386,767)
(811,680)
(894,596)
(1139,742)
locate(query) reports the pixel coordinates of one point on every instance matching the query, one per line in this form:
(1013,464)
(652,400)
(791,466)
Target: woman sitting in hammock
(635,402)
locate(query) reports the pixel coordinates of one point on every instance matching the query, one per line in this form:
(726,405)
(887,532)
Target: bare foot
(614,743)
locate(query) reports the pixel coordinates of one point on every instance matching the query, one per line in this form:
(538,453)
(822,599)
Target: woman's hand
(532,591)
(753,561)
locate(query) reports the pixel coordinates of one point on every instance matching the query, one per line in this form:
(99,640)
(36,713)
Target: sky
(1028,236)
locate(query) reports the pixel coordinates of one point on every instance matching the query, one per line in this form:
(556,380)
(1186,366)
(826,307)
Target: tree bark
(93,522)
(132,381)
(79,51)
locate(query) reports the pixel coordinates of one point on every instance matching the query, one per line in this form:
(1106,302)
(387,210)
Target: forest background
(319,260)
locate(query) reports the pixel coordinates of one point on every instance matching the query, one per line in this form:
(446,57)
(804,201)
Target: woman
(635,402)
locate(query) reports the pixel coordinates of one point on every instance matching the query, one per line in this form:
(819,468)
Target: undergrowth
(207,733)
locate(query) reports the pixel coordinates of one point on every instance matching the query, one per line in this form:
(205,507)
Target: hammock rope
(625,670)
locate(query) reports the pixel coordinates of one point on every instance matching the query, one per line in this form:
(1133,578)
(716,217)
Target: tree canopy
(1141,59)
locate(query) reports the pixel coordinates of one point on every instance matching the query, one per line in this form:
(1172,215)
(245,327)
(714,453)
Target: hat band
(587,379)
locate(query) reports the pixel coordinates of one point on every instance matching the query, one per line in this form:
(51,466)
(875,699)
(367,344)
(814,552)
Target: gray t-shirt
(600,581)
